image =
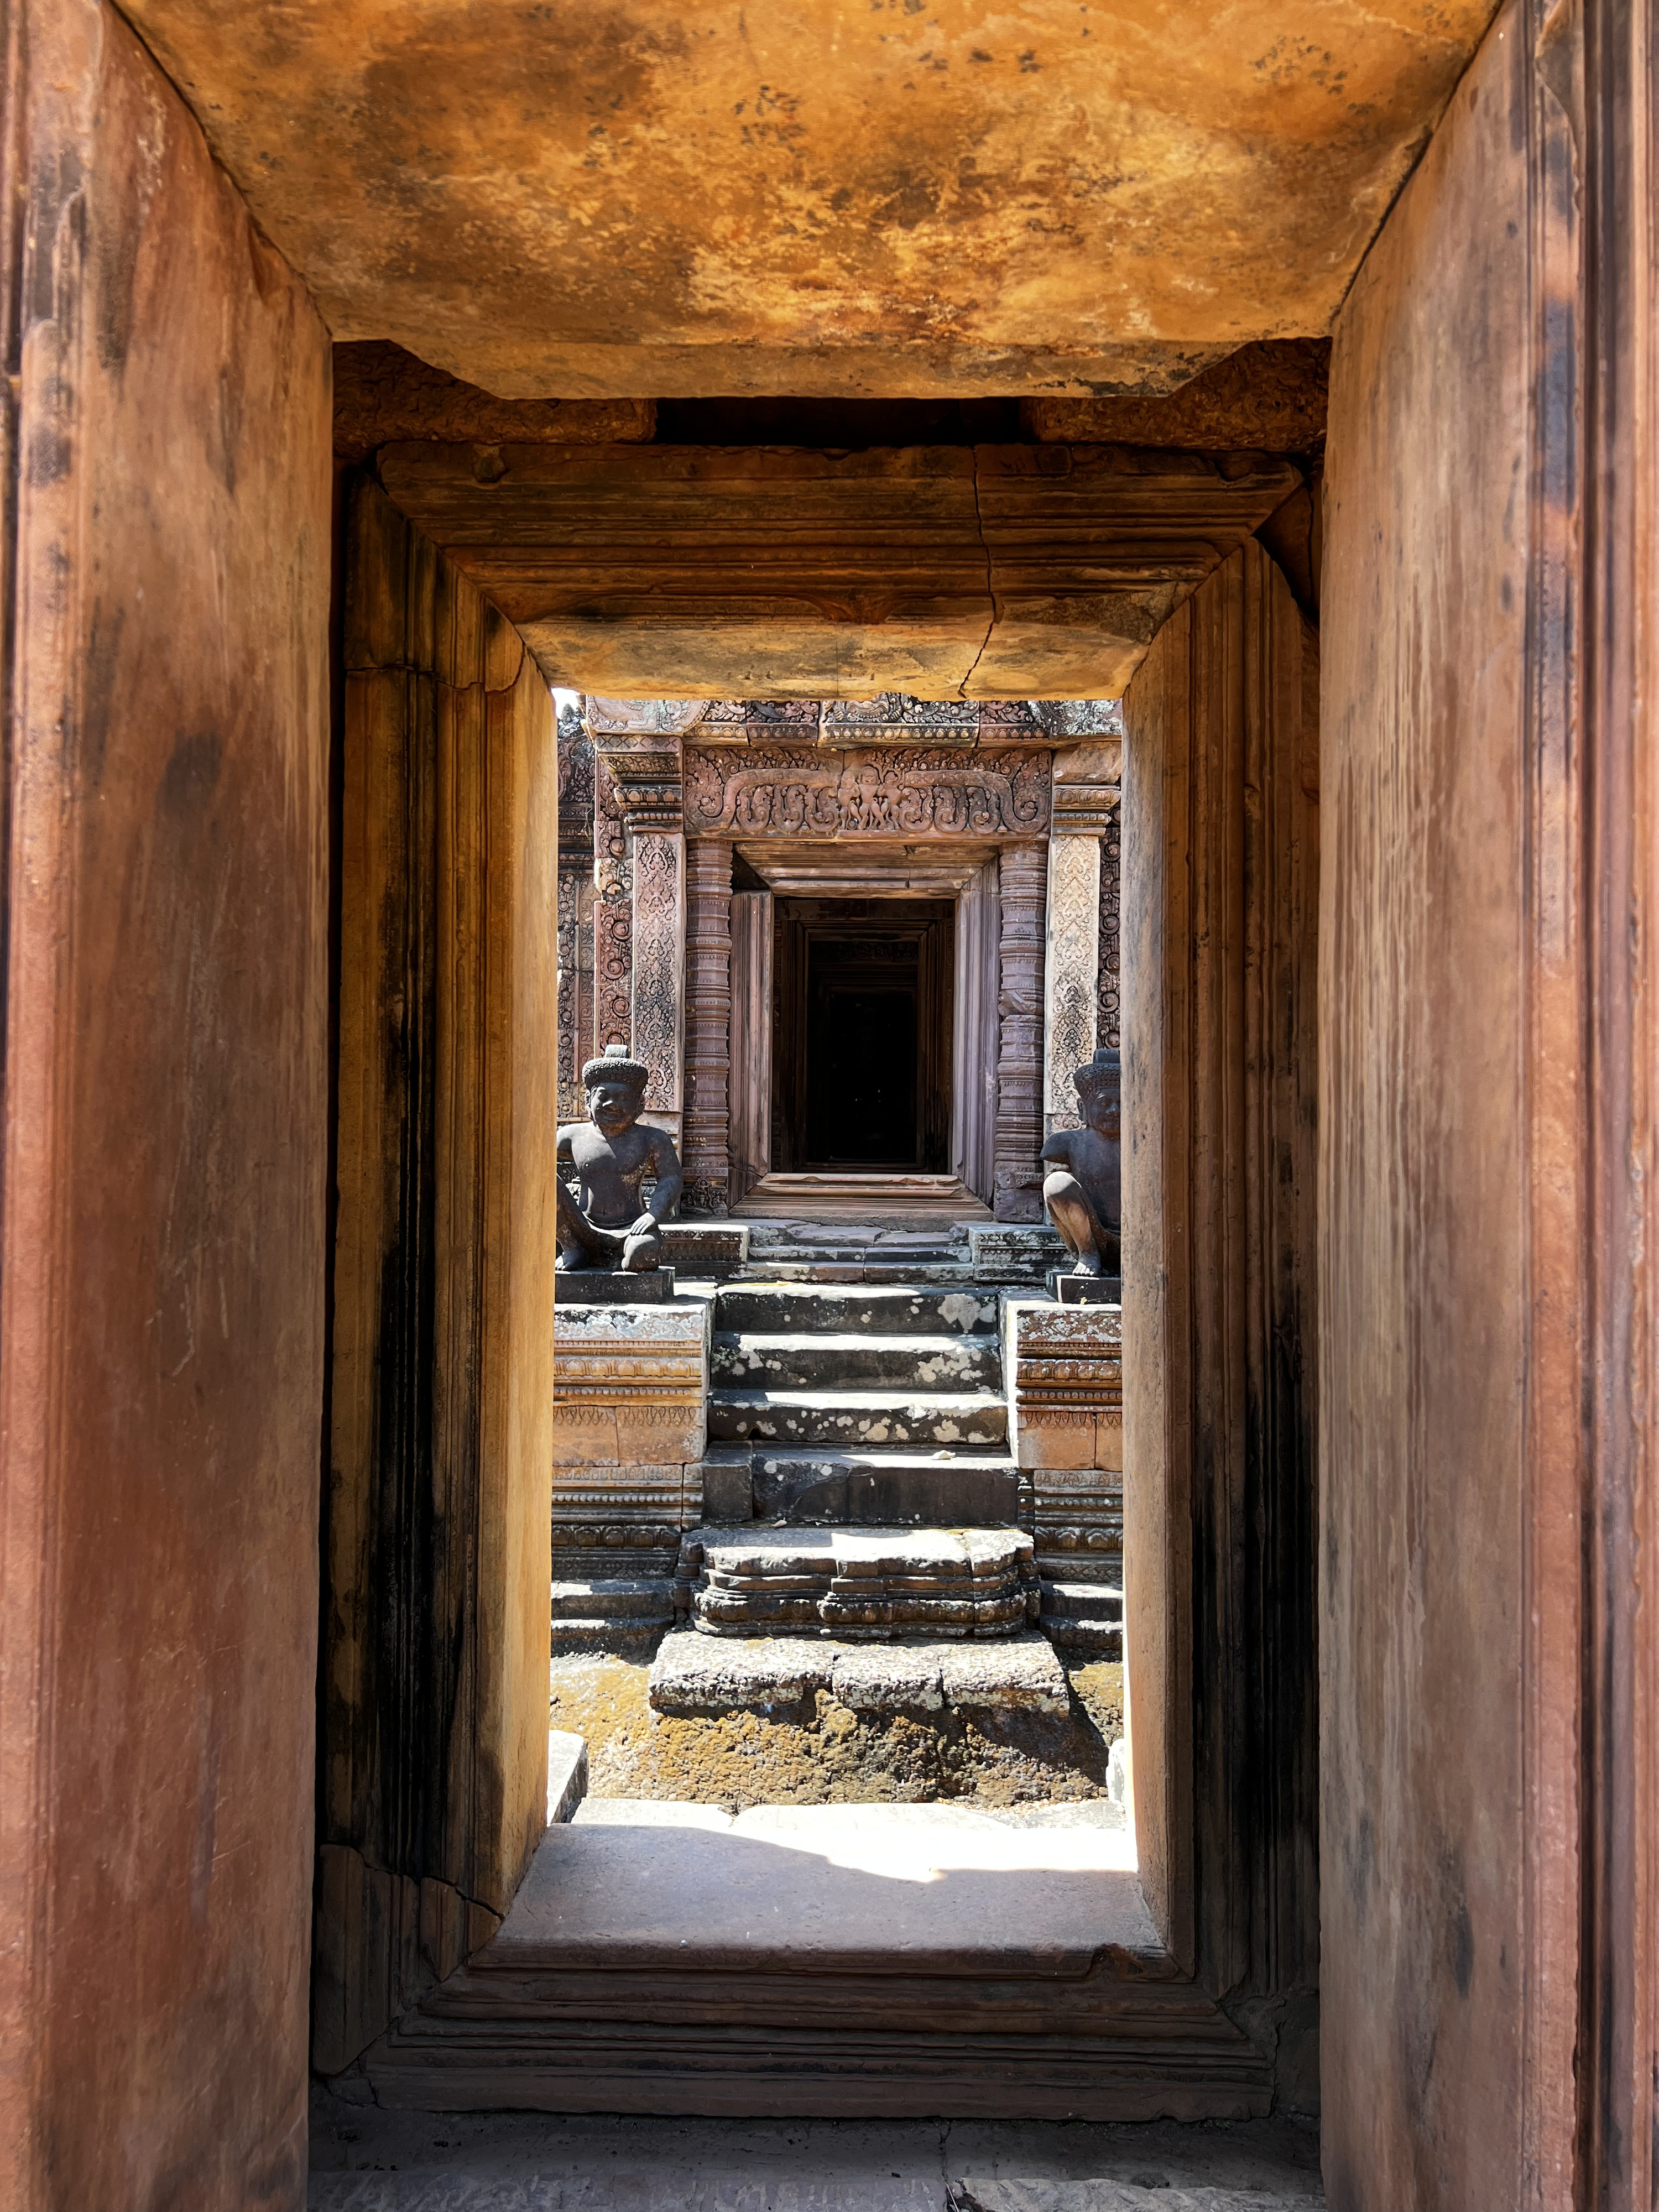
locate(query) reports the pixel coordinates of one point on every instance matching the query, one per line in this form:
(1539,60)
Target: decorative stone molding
(705,1153)
(1066,1407)
(923,793)
(896,718)
(1087,784)
(646,772)
(1065,1398)
(1022,873)
(640,775)
(1079,717)
(737,722)
(630,1385)
(616,1508)
(609,718)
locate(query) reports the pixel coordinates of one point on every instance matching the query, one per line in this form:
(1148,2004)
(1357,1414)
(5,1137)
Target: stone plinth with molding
(631,1386)
(1065,1369)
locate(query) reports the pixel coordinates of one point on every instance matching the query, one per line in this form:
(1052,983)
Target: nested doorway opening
(862,1071)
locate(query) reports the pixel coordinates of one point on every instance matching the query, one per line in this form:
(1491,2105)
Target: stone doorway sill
(780,1197)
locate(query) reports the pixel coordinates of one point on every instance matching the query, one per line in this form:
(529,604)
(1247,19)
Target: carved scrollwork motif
(920,792)
(1107,991)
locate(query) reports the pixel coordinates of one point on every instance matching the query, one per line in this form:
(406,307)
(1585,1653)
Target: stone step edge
(838,1400)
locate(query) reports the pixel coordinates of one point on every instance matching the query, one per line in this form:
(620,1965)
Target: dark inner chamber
(861,1053)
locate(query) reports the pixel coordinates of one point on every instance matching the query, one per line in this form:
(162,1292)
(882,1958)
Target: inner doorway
(861,1024)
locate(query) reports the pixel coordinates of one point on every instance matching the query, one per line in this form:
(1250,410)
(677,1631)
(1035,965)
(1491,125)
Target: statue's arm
(1058,1147)
(562,1148)
(670,1181)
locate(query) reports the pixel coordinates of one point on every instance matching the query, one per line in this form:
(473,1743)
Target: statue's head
(1100,1091)
(615,1089)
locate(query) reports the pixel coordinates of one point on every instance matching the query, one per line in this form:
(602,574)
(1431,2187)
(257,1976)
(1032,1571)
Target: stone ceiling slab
(977,572)
(616,198)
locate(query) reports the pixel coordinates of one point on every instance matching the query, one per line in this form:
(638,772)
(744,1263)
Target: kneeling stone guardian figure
(613,1152)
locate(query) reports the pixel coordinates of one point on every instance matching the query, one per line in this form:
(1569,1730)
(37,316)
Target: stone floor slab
(883,1889)
(364,2159)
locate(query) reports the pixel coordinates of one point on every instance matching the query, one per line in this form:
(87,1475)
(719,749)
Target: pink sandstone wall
(161,1251)
(1490,1662)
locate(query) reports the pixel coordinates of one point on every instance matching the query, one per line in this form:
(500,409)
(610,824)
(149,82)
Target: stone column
(1022,874)
(707,1025)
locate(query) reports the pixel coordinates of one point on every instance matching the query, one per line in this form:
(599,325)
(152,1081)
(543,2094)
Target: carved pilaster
(659,965)
(1022,874)
(1070,972)
(1108,987)
(642,768)
(708,1023)
(613,918)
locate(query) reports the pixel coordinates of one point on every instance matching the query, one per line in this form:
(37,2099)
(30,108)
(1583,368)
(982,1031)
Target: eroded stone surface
(948,204)
(1019,1674)
(816,1749)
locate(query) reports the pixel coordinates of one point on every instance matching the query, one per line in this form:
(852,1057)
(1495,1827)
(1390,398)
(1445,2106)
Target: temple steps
(857,1417)
(902,1309)
(845,1360)
(1084,1618)
(812,1485)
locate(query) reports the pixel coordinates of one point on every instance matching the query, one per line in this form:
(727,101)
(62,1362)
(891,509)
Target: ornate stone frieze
(597,1508)
(1080,717)
(576,788)
(1064,1365)
(645,772)
(631,1386)
(894,716)
(1009,718)
(923,793)
(737,722)
(608,718)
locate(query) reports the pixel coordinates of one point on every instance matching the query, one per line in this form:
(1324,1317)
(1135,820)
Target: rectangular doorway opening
(862,1062)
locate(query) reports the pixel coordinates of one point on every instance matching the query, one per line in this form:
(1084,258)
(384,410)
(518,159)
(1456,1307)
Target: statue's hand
(647,1225)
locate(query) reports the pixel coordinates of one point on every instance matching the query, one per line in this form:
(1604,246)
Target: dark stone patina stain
(191,772)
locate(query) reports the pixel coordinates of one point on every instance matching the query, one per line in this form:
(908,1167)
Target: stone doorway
(861,1059)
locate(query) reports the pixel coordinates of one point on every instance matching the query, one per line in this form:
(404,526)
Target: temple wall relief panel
(1080,980)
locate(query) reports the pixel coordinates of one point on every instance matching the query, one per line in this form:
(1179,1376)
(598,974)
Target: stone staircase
(879,1405)
(861,1393)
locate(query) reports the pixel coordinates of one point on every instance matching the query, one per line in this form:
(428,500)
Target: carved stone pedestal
(1085,1290)
(604,1286)
(630,1386)
(1065,1369)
